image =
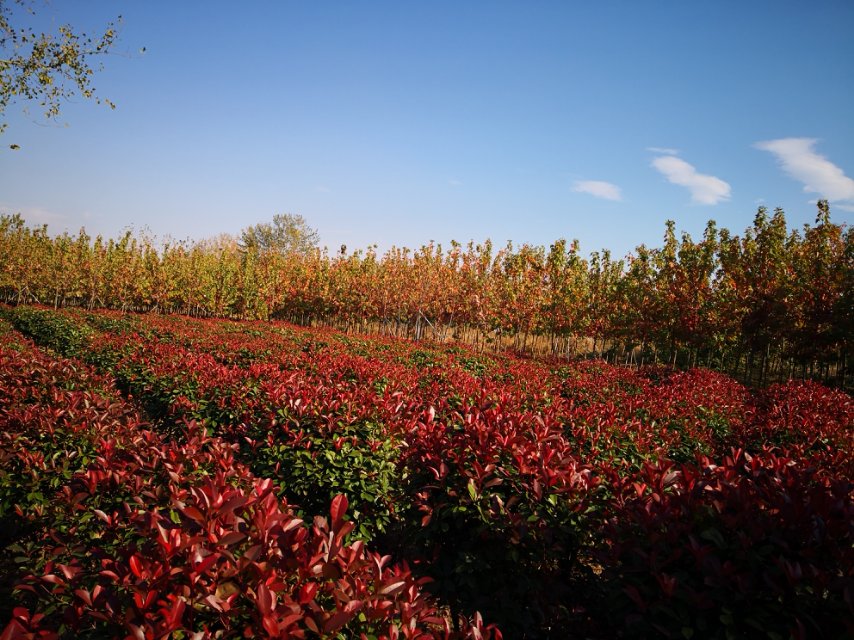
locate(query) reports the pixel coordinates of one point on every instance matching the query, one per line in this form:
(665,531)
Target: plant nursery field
(168,477)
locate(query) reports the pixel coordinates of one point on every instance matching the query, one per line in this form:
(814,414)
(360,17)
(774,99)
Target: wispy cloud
(667,151)
(35,215)
(819,175)
(455,183)
(705,189)
(598,188)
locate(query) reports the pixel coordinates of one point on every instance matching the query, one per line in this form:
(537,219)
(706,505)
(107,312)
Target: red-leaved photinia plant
(557,498)
(149,538)
(754,545)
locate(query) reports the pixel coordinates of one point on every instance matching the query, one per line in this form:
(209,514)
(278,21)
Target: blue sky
(396,123)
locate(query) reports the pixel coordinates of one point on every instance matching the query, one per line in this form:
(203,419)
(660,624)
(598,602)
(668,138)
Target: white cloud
(35,215)
(705,189)
(455,183)
(667,151)
(598,188)
(818,174)
(844,207)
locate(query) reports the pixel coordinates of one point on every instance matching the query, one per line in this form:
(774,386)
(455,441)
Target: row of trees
(769,302)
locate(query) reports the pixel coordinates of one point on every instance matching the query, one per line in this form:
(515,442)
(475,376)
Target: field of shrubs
(168,477)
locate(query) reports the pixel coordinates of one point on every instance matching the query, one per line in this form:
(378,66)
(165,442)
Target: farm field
(162,476)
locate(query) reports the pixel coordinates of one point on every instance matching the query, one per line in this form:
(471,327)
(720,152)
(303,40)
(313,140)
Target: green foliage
(286,234)
(423,359)
(112,324)
(8,336)
(359,462)
(50,329)
(490,548)
(476,365)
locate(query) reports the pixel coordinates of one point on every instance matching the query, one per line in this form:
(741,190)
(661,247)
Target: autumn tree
(47,68)
(756,269)
(690,294)
(287,233)
(641,303)
(820,275)
(763,305)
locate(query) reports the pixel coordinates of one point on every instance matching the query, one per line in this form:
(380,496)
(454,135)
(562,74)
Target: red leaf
(112,575)
(271,626)
(289,621)
(232,538)
(214,602)
(307,592)
(338,509)
(266,599)
(206,563)
(392,588)
(337,621)
(312,625)
(253,552)
(135,566)
(292,524)
(234,503)
(68,572)
(176,613)
(13,631)
(193,513)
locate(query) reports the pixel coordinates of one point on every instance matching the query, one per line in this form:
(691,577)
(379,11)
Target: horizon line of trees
(767,304)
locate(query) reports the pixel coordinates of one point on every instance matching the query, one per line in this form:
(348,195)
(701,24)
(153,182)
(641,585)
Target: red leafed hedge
(120,533)
(560,499)
(742,547)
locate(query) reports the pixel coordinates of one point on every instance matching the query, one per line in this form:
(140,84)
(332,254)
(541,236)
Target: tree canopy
(286,234)
(48,68)
(764,304)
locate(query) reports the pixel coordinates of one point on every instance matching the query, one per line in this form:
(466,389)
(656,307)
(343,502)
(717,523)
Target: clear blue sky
(397,123)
